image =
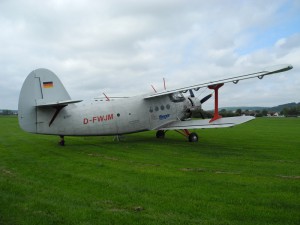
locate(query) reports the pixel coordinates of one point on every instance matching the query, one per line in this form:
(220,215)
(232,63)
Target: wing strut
(58,109)
(216,89)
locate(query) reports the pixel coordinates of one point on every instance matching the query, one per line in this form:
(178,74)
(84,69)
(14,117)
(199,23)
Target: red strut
(216,89)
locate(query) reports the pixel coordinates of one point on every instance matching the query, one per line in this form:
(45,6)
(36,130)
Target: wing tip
(278,68)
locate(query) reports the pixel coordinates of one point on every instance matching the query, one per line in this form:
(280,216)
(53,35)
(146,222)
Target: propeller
(201,114)
(201,102)
(191,93)
(205,98)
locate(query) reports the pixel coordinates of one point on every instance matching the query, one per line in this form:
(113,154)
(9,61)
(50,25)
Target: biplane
(45,107)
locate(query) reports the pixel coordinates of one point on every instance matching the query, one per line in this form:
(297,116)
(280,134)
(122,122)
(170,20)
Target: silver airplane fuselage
(114,116)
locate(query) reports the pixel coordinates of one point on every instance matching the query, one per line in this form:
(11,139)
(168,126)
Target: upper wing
(203,124)
(260,75)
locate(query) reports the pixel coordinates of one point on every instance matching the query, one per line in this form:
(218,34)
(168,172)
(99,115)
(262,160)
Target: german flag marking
(48,84)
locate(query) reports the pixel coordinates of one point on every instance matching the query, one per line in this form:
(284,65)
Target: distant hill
(278,108)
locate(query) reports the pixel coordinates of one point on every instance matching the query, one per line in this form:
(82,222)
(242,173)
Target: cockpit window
(177,97)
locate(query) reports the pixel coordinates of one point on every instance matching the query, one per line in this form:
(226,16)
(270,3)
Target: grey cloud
(127,45)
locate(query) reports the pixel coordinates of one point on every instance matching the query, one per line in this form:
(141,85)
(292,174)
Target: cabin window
(177,97)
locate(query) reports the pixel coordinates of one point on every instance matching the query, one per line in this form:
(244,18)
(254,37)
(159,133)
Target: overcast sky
(122,47)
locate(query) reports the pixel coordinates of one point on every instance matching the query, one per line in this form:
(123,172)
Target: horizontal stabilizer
(204,124)
(41,103)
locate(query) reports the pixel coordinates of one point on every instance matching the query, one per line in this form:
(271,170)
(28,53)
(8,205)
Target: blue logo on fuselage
(163,117)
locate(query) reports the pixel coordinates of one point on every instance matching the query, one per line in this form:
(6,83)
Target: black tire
(62,140)
(193,137)
(160,134)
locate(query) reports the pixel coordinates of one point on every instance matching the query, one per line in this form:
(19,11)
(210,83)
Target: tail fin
(40,87)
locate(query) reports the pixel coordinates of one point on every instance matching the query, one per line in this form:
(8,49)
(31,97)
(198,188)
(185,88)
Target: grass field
(249,174)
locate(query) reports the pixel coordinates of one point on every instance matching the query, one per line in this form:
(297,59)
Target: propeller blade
(201,114)
(205,98)
(191,93)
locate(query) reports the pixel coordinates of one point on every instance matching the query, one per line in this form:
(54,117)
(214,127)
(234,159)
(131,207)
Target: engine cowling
(195,105)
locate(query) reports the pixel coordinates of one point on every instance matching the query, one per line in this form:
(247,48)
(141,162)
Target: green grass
(249,174)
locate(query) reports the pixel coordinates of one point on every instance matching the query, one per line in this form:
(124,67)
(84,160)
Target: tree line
(292,111)
(288,112)
(8,112)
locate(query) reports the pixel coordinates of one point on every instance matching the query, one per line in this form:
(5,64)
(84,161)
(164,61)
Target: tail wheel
(160,134)
(62,140)
(193,137)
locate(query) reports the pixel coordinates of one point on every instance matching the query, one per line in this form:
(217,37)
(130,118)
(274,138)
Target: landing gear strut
(192,137)
(62,140)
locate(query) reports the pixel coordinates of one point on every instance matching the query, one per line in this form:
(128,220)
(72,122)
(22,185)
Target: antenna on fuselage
(153,88)
(107,98)
(165,88)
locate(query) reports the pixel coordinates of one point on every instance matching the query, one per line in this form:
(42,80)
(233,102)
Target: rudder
(40,86)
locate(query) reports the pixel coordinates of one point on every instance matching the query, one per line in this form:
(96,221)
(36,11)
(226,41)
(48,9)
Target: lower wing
(203,124)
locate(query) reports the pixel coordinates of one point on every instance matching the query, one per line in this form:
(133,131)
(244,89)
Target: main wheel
(160,134)
(193,137)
